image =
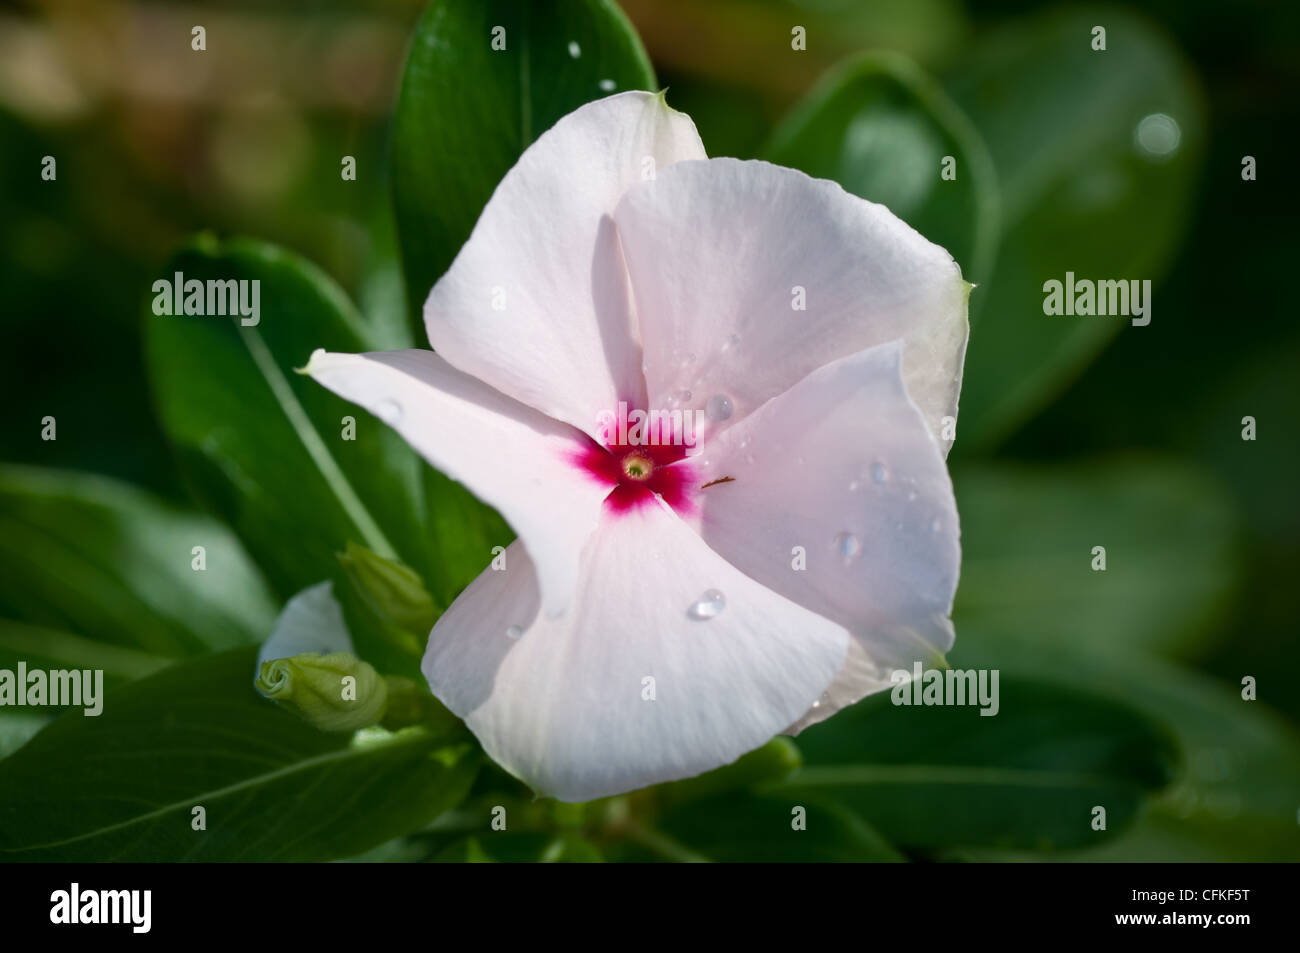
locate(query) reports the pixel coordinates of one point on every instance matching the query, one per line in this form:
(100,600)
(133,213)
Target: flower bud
(392,591)
(335,692)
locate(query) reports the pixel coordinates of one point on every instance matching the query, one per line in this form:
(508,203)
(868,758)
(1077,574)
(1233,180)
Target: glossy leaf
(1085,188)
(1029,536)
(266,447)
(1029,776)
(124,785)
(748,827)
(1242,761)
(88,558)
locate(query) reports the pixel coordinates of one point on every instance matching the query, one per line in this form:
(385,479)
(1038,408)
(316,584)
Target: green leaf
(748,827)
(462,534)
(85,557)
(882,128)
(1029,776)
(1242,760)
(1078,194)
(45,649)
(19,727)
(467,112)
(264,446)
(122,786)
(1028,534)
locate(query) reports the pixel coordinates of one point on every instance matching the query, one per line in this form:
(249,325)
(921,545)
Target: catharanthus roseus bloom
(667,608)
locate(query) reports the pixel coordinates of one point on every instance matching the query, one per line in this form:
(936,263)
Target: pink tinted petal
(721,254)
(507,454)
(842,470)
(536,303)
(562,703)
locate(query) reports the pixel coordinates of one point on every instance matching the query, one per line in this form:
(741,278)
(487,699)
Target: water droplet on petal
(749,458)
(389,411)
(684,396)
(848,546)
(731,341)
(719,407)
(911,495)
(514,632)
(935,526)
(854,485)
(708,605)
(878,473)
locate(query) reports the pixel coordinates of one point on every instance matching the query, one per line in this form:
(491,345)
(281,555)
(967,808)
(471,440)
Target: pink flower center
(637,473)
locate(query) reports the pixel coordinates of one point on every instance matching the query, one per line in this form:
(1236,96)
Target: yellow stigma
(637,466)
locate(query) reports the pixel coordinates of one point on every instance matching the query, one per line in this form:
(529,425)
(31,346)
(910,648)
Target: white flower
(664,611)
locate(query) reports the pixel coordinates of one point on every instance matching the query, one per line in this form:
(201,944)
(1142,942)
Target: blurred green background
(1075,432)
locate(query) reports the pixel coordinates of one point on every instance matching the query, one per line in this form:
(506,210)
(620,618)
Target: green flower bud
(391,590)
(336,692)
(388,611)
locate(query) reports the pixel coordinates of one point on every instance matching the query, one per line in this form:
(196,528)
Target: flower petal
(507,454)
(722,254)
(311,621)
(536,303)
(563,704)
(842,468)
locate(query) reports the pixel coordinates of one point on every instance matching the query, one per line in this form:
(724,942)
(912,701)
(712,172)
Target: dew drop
(1157,136)
(684,396)
(719,407)
(911,495)
(514,632)
(708,605)
(749,458)
(854,486)
(574,49)
(389,411)
(935,526)
(878,473)
(607,85)
(848,546)
(731,341)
